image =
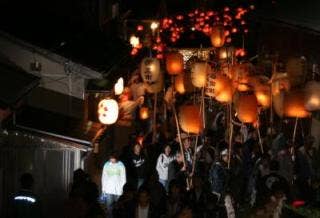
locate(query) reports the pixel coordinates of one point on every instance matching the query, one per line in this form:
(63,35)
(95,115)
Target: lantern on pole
(226,53)
(108,111)
(150,70)
(174,63)
(190,119)
(144,113)
(223,89)
(217,36)
(312,96)
(247,108)
(156,86)
(199,72)
(294,104)
(119,87)
(262,93)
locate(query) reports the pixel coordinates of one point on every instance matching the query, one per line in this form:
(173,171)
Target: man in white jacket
(113,179)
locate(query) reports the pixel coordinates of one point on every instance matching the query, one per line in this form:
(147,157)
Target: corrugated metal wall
(51,162)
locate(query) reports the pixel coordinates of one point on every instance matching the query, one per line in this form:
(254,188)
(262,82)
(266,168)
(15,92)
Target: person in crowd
(94,209)
(113,180)
(218,174)
(267,184)
(125,206)
(138,165)
(25,204)
(156,191)
(304,168)
(75,206)
(175,201)
(144,208)
(163,163)
(197,196)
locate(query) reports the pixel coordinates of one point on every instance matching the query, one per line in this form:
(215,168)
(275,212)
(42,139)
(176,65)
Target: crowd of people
(207,180)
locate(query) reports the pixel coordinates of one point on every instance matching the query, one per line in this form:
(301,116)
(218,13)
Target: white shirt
(113,178)
(163,165)
(143,212)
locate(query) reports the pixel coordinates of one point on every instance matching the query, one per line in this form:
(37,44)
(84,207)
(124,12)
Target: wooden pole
(154,132)
(260,141)
(295,131)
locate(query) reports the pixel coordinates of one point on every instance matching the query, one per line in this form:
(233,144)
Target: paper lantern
(312,96)
(280,82)
(119,87)
(150,70)
(144,113)
(174,63)
(209,89)
(241,77)
(199,72)
(247,108)
(262,93)
(295,68)
(277,102)
(223,89)
(217,36)
(190,119)
(293,105)
(182,83)
(226,52)
(156,86)
(108,111)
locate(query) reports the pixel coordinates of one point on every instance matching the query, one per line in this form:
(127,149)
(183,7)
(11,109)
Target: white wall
(57,73)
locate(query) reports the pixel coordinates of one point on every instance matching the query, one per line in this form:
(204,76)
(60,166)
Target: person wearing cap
(25,203)
(113,180)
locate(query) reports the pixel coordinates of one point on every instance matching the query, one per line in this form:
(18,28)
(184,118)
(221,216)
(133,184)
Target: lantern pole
(154,134)
(295,131)
(230,134)
(260,141)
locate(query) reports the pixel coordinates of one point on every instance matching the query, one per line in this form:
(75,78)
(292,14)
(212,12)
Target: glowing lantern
(156,86)
(174,63)
(118,87)
(277,102)
(247,108)
(179,84)
(190,119)
(199,74)
(223,89)
(295,67)
(144,113)
(241,76)
(217,36)
(134,41)
(312,96)
(280,82)
(150,70)
(108,111)
(294,105)
(226,52)
(262,93)
(209,89)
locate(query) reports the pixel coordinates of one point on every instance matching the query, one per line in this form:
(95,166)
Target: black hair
(274,165)
(26,181)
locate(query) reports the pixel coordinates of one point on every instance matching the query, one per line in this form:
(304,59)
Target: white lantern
(199,74)
(108,111)
(118,87)
(312,96)
(150,70)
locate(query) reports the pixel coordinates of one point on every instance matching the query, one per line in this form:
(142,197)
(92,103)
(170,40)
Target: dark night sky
(50,22)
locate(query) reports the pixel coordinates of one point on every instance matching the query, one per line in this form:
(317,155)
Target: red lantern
(247,108)
(190,119)
(174,63)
